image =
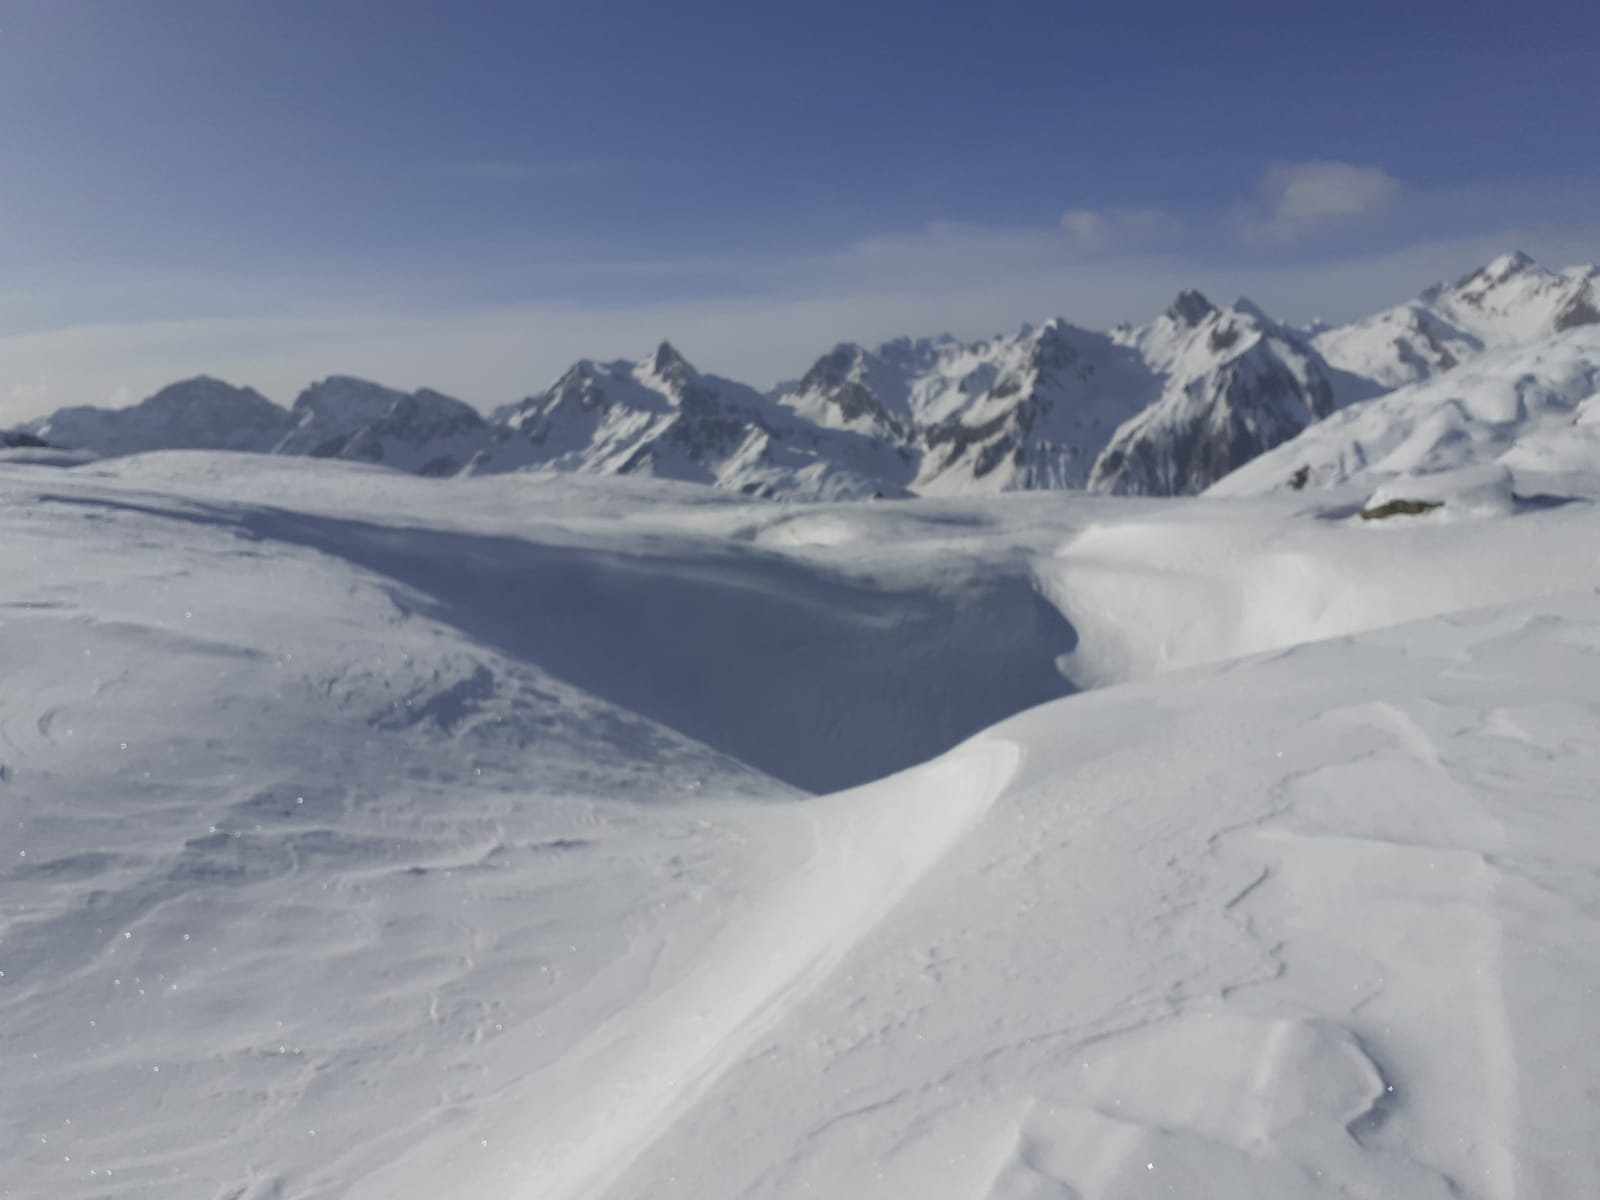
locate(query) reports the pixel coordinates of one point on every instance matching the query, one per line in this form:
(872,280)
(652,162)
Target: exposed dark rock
(1190,308)
(830,378)
(1400,508)
(1053,352)
(1223,337)
(1254,404)
(1580,310)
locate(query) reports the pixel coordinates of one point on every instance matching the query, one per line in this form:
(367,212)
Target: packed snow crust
(547,837)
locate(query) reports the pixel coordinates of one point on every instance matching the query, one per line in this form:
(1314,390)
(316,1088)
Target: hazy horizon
(472,201)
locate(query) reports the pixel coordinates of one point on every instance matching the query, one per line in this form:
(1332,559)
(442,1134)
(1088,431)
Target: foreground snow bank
(1313,925)
(323,784)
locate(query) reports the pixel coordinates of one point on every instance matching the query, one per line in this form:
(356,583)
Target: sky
(472,195)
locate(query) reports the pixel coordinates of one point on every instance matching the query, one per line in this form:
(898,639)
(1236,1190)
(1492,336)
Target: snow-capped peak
(1234,383)
(345,417)
(670,367)
(202,413)
(1250,308)
(1507,265)
(1511,301)
(1190,308)
(1167,405)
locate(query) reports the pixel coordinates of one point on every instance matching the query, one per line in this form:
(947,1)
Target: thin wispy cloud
(1119,228)
(1302,199)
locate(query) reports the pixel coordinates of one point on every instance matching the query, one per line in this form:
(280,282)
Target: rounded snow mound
(1445,495)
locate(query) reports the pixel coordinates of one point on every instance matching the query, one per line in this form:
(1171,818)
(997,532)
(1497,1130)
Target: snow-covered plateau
(561,836)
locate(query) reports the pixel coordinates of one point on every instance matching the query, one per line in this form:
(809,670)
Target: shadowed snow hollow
(817,678)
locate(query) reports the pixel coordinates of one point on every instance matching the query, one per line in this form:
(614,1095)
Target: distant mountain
(663,418)
(1510,302)
(424,432)
(1062,407)
(1165,408)
(1533,407)
(1028,410)
(197,414)
(1235,384)
(1502,365)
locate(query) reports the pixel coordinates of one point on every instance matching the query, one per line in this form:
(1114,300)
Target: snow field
(373,836)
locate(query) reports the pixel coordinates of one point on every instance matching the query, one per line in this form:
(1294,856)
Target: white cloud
(1118,228)
(1299,199)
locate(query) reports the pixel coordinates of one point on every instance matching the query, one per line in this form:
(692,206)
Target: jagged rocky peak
(1250,308)
(851,384)
(345,398)
(1190,308)
(346,417)
(1510,264)
(581,384)
(833,368)
(1497,271)
(428,413)
(1582,309)
(1238,326)
(1052,346)
(918,354)
(671,367)
(1158,407)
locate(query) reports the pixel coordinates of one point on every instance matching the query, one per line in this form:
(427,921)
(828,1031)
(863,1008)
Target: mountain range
(1166,408)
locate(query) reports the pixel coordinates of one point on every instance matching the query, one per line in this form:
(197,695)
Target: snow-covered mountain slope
(1049,400)
(662,418)
(197,414)
(1514,300)
(1061,407)
(867,391)
(323,783)
(1510,302)
(1524,406)
(424,432)
(1236,384)
(1162,409)
(1029,410)
(1398,346)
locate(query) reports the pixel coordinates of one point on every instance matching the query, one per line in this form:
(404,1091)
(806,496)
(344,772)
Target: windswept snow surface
(537,838)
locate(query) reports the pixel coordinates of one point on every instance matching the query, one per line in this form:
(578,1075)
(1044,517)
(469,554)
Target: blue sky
(471,195)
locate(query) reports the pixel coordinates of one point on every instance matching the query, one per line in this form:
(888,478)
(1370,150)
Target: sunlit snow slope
(380,837)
